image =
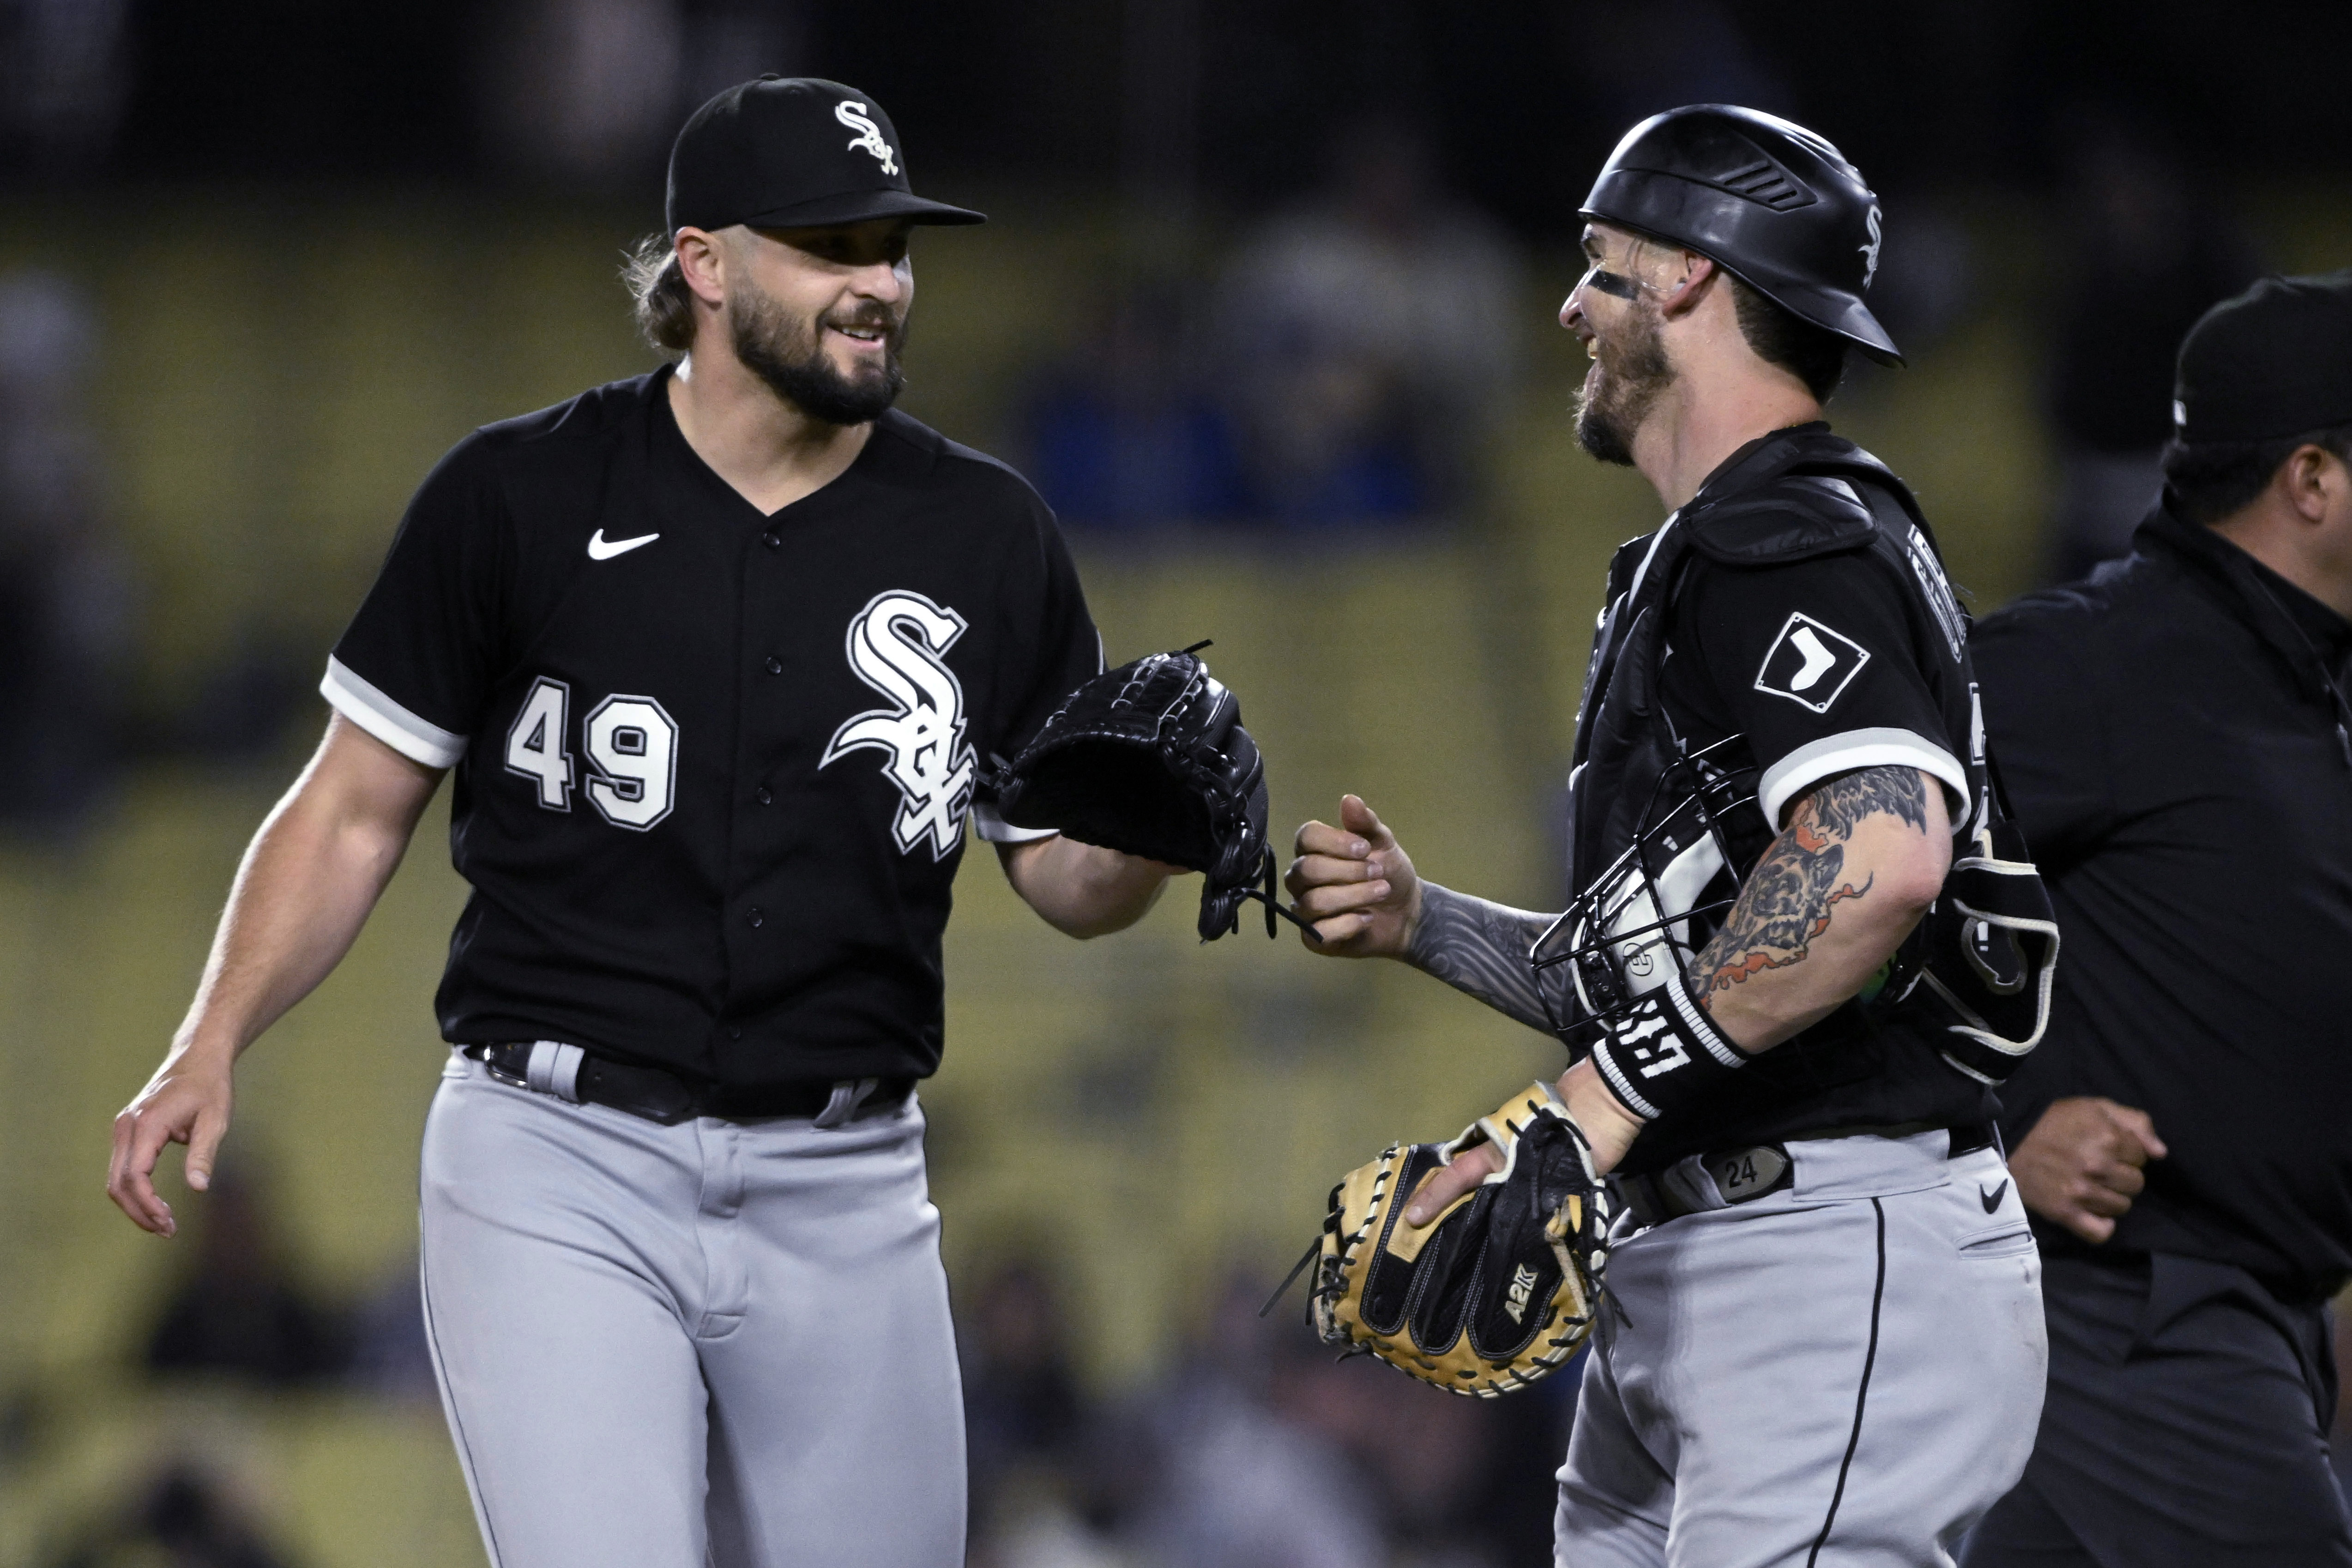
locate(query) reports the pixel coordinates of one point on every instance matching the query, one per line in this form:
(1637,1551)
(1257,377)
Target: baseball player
(716,654)
(1820,1339)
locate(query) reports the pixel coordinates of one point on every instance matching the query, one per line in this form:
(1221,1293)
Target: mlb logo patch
(1810,665)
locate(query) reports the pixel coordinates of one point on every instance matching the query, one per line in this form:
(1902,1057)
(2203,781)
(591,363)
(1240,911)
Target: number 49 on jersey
(632,746)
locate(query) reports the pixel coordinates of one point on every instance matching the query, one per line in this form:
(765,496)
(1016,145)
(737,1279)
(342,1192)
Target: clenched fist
(2081,1165)
(1356,884)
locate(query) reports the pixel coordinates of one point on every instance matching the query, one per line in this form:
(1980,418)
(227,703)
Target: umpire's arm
(308,881)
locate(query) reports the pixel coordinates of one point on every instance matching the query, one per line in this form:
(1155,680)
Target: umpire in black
(2175,734)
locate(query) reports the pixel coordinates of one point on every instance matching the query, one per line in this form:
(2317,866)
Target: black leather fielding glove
(1151,758)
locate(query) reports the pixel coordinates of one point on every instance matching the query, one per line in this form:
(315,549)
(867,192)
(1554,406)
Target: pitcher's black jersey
(713,767)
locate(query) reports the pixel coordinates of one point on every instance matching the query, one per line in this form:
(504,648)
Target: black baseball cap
(2274,362)
(793,153)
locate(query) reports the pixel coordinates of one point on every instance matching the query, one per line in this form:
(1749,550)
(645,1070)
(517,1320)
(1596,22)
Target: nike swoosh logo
(1991,1200)
(602,549)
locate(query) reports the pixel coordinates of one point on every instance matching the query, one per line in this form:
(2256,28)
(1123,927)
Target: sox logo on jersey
(897,645)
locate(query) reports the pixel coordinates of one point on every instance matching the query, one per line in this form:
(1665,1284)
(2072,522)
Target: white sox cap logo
(1810,665)
(896,644)
(852,113)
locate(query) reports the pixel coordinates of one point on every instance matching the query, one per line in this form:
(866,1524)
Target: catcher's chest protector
(1661,833)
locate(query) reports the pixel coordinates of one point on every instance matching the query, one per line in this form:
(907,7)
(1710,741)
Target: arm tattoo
(1788,896)
(1482,949)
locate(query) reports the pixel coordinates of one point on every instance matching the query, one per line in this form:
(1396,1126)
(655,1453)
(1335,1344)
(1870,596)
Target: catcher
(1803,943)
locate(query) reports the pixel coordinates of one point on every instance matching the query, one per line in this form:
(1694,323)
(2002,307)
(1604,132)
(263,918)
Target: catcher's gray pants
(1846,1371)
(718,1342)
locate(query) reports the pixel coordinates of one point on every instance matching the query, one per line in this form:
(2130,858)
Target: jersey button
(764,795)
(773,539)
(757,916)
(775,666)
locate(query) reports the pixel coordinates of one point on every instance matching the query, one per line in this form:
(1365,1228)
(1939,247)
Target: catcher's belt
(1743,1175)
(1497,1291)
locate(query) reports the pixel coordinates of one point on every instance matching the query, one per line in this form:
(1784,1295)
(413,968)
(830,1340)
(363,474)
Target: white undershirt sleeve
(996,830)
(1843,754)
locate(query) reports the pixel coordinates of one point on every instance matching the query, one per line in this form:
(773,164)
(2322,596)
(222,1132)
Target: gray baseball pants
(1847,1371)
(719,1343)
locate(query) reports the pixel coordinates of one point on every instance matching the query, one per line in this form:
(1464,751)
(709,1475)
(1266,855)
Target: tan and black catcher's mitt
(1151,759)
(1501,1288)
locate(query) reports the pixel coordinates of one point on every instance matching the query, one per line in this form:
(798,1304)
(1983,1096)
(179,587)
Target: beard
(789,355)
(1624,385)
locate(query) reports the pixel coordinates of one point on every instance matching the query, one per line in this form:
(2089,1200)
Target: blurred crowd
(67,607)
(1254,1449)
(2144,252)
(1335,361)
(1333,341)
(1340,370)
(1346,362)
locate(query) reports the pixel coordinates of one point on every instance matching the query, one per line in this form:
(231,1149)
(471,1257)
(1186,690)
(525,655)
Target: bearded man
(713,652)
(1821,1338)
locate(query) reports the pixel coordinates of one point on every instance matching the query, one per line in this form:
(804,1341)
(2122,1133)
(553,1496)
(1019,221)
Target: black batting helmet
(1768,201)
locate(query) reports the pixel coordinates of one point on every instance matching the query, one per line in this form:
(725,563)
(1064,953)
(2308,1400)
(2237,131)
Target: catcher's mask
(1982,963)
(1655,905)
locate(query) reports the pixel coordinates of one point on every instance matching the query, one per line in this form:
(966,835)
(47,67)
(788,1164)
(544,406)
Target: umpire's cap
(1770,202)
(793,153)
(2274,362)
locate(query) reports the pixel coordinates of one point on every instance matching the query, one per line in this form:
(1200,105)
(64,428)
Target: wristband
(1663,1054)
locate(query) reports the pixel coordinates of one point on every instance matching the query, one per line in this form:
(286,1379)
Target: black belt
(572,1074)
(1758,1170)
